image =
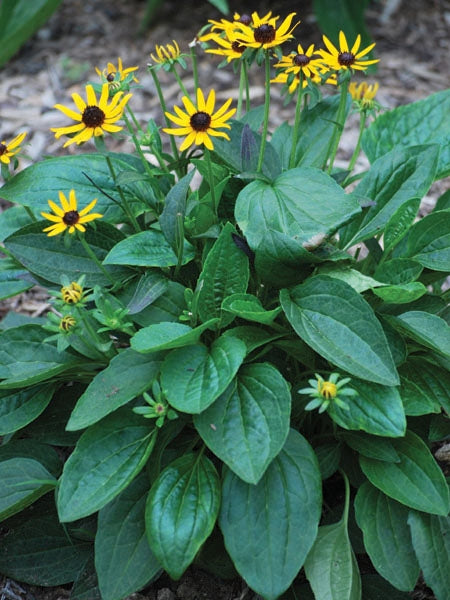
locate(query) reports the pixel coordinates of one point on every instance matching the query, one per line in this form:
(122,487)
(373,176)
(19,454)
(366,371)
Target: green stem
(125,206)
(179,232)
(94,257)
(159,158)
(30,213)
(164,109)
(241,90)
(180,83)
(247,88)
(347,498)
(266,114)
(339,127)
(207,156)
(298,114)
(193,51)
(351,164)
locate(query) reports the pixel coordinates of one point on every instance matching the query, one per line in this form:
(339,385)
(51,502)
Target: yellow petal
(209,107)
(51,217)
(332,50)
(56,209)
(59,131)
(201,106)
(190,139)
(72,200)
(90,217)
(16,141)
(104,96)
(356,45)
(343,46)
(90,96)
(68,112)
(190,108)
(87,208)
(64,202)
(79,102)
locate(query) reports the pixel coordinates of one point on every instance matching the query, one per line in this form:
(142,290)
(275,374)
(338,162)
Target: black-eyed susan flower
(10,149)
(323,392)
(94,117)
(253,21)
(67,323)
(229,46)
(72,293)
(364,94)
(345,58)
(199,123)
(265,34)
(67,216)
(168,55)
(305,61)
(111,73)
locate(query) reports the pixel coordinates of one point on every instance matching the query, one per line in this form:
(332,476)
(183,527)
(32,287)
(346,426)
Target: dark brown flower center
(237,47)
(245,19)
(71,218)
(110,77)
(264,34)
(301,60)
(3,149)
(93,116)
(200,121)
(346,59)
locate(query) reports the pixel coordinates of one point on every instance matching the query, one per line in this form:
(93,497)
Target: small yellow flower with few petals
(10,149)
(67,216)
(72,293)
(265,34)
(94,118)
(344,58)
(302,60)
(112,73)
(67,323)
(364,94)
(166,54)
(199,123)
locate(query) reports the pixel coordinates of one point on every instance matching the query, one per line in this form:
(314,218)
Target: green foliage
(152,419)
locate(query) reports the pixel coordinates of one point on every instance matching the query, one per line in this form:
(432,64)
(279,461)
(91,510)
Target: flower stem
(298,114)
(247,88)
(241,90)
(193,51)
(180,83)
(125,206)
(94,257)
(208,161)
(351,164)
(339,126)
(159,158)
(164,109)
(266,114)
(30,213)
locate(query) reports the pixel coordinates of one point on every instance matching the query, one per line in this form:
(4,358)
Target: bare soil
(413,45)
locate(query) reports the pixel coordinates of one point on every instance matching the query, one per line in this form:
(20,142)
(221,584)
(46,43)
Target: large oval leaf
(181,511)
(106,458)
(168,335)
(429,330)
(248,424)
(429,241)
(20,407)
(416,481)
(387,538)
(194,376)
(341,326)
(270,527)
(121,544)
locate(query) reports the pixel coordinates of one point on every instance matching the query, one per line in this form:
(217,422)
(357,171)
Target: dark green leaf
(270,527)
(106,459)
(375,587)
(429,330)
(150,287)
(121,545)
(401,293)
(12,219)
(85,586)
(165,336)
(429,241)
(399,224)
(253,337)
(387,537)
(127,376)
(339,324)
(423,387)
(249,307)
(416,481)
(181,511)
(20,407)
(175,210)
(26,448)
(398,271)
(248,424)
(371,446)
(329,456)
(193,377)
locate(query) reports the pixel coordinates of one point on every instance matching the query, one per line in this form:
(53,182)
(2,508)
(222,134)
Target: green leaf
(270,527)
(377,409)
(26,448)
(106,459)
(371,446)
(398,271)
(421,122)
(221,5)
(432,382)
(387,537)
(36,184)
(392,180)
(8,289)
(375,587)
(253,337)
(329,457)
(127,376)
(149,288)
(358,281)
(431,541)
(429,241)
(193,377)
(225,272)
(429,330)
(165,336)
(166,307)
(399,224)
(175,210)
(331,567)
(20,407)
(12,219)
(19,19)
(340,325)
(249,307)
(416,481)
(147,249)
(26,359)
(121,544)
(334,15)
(402,293)
(24,480)
(296,204)
(247,425)
(50,258)
(39,551)
(85,586)
(181,510)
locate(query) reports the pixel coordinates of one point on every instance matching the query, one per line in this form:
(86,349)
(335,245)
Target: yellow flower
(301,61)
(67,323)
(110,72)
(229,47)
(199,122)
(166,54)
(265,34)
(72,293)
(293,85)
(363,94)
(343,58)
(10,149)
(94,118)
(68,216)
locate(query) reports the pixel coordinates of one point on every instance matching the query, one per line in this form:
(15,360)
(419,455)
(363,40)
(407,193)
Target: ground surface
(413,45)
